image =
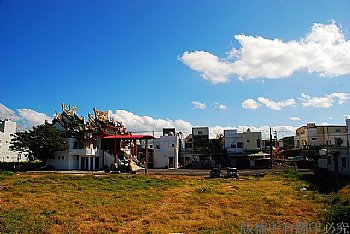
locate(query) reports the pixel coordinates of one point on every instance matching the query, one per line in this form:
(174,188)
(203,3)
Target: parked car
(232,172)
(215,173)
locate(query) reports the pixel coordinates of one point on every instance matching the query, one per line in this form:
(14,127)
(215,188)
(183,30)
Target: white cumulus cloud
(138,123)
(199,105)
(147,124)
(294,118)
(26,118)
(7,113)
(220,106)
(210,66)
(250,104)
(276,105)
(33,118)
(323,51)
(324,102)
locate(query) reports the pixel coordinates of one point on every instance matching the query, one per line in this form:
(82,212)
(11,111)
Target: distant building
(166,150)
(186,154)
(200,143)
(99,142)
(334,155)
(239,144)
(312,135)
(7,129)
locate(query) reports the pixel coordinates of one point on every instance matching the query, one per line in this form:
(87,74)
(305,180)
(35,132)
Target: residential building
(311,135)
(166,150)
(233,142)
(239,144)
(7,130)
(186,153)
(335,157)
(200,143)
(251,141)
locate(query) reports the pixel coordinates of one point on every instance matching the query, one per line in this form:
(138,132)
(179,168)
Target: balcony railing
(92,152)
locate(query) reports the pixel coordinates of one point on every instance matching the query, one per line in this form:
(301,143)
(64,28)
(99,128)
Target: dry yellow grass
(150,204)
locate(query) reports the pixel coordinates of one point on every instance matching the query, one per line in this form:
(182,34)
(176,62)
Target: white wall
(60,160)
(7,128)
(166,147)
(232,137)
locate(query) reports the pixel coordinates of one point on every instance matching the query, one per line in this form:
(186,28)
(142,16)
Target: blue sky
(129,55)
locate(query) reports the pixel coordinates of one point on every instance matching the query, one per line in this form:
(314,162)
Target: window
(343,162)
(239,145)
(172,145)
(58,157)
(75,145)
(258,145)
(314,138)
(248,141)
(200,132)
(62,157)
(337,130)
(158,146)
(233,146)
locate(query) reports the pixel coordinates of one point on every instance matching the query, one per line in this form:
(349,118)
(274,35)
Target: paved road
(203,172)
(188,172)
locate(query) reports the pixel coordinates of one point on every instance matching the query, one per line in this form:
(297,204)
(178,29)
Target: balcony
(88,152)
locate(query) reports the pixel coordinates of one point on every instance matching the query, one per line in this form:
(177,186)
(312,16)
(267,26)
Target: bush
(339,213)
(292,174)
(6,173)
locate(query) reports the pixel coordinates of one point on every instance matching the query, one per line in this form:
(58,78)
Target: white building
(237,143)
(312,135)
(233,142)
(84,146)
(335,157)
(166,151)
(7,129)
(92,145)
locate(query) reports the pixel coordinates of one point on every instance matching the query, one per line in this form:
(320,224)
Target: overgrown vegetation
(335,193)
(149,204)
(40,142)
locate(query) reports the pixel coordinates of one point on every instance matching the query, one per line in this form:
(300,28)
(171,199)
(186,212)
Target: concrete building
(166,151)
(87,145)
(335,158)
(233,142)
(186,154)
(237,144)
(7,129)
(312,135)
(200,143)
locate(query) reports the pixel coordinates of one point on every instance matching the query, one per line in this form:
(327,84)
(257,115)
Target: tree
(40,142)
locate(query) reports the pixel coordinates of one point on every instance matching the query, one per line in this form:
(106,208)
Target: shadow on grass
(325,183)
(338,203)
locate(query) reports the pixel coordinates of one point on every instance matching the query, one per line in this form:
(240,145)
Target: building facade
(312,135)
(200,143)
(7,129)
(166,151)
(86,147)
(240,143)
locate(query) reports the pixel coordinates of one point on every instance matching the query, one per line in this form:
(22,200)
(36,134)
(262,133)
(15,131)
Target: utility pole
(347,146)
(271,157)
(276,141)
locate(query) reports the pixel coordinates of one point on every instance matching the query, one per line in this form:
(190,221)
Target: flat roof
(130,137)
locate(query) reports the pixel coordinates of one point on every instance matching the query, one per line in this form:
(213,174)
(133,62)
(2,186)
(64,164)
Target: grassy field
(50,203)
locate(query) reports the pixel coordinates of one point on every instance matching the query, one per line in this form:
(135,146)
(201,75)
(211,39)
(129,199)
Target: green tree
(40,142)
